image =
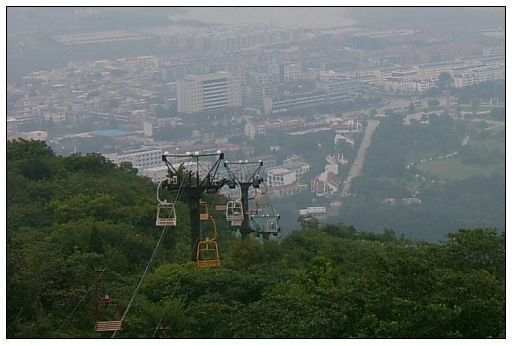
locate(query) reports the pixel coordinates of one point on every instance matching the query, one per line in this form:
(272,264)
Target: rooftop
(279,171)
(210,76)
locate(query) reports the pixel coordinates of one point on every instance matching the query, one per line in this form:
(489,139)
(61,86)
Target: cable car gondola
(166,214)
(104,303)
(207,255)
(235,212)
(203,209)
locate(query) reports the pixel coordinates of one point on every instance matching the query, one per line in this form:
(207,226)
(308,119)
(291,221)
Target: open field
(454,169)
(490,143)
(481,107)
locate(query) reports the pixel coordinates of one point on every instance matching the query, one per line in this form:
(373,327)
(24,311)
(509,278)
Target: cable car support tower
(193,184)
(245,174)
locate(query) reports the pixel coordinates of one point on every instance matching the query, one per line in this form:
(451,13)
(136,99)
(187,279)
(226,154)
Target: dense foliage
(68,216)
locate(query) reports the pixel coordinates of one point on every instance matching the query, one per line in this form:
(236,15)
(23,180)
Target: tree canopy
(72,215)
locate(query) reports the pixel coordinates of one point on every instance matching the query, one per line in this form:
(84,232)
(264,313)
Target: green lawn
(490,143)
(481,107)
(455,169)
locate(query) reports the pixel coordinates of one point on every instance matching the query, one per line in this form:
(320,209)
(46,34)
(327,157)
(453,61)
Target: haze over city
(249,127)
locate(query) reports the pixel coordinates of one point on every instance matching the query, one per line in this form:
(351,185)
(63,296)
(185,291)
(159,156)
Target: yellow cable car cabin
(208,254)
(165,214)
(203,209)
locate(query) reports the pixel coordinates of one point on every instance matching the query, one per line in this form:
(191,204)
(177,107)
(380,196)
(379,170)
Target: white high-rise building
(290,72)
(141,159)
(206,92)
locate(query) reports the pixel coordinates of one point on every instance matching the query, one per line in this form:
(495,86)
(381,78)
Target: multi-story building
(349,126)
(50,113)
(141,159)
(422,85)
(156,174)
(283,181)
(479,74)
(313,211)
(279,176)
(287,190)
(336,89)
(278,105)
(373,77)
(12,127)
(327,183)
(290,72)
(464,79)
(37,135)
(208,92)
(296,164)
(254,129)
(340,88)
(160,172)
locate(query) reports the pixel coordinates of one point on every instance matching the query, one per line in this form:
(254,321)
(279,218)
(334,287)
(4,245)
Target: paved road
(356,168)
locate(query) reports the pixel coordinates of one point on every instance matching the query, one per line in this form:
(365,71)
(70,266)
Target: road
(357,166)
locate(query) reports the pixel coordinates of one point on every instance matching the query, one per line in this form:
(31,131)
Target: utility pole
(189,181)
(245,175)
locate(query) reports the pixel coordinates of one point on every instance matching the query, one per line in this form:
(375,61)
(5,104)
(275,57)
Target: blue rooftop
(111,132)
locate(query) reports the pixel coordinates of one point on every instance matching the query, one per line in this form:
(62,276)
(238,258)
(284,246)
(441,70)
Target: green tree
(433,103)
(445,81)
(323,281)
(411,109)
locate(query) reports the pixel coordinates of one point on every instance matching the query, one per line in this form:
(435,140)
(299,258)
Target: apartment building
(278,105)
(208,92)
(12,127)
(141,159)
(313,211)
(290,72)
(37,135)
(156,174)
(279,177)
(297,164)
(339,88)
(254,129)
(287,190)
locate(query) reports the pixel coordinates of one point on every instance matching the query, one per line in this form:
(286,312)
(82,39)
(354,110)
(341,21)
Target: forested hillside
(68,216)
